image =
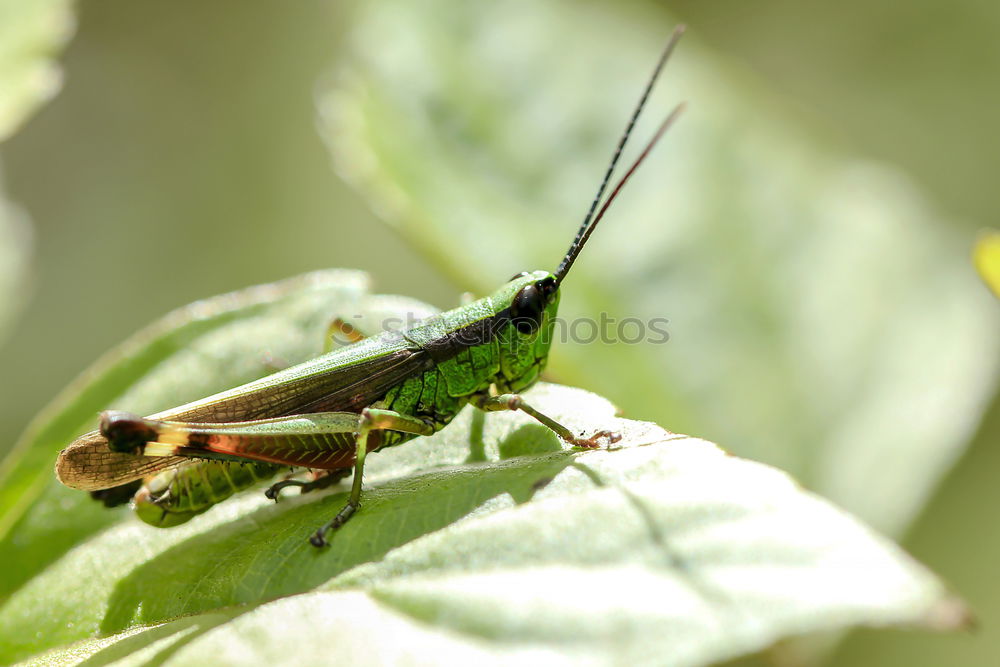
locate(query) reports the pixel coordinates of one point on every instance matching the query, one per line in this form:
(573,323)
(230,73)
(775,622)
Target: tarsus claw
(592,441)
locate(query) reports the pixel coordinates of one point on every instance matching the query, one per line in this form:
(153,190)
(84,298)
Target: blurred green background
(181,159)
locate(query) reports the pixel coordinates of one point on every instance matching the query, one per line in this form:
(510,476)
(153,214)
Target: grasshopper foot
(593,441)
(318,539)
(272,492)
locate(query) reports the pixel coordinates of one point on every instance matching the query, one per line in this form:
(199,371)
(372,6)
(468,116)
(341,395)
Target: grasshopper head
(531,301)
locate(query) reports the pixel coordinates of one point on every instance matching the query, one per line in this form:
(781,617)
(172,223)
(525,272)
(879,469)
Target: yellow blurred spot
(171,436)
(158,449)
(986,257)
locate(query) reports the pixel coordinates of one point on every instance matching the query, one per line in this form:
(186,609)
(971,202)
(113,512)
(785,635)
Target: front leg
(516,402)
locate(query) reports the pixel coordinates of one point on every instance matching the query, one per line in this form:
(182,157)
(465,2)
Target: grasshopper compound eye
(529,304)
(526,309)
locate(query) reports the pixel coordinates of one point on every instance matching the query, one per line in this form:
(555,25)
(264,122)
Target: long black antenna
(589,222)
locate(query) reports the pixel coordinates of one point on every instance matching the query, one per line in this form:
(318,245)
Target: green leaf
(471,543)
(491,541)
(193,352)
(822,318)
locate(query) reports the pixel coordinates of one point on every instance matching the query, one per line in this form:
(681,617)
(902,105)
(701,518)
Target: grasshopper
(327,414)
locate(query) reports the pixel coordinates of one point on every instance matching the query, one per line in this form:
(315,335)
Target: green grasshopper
(327,414)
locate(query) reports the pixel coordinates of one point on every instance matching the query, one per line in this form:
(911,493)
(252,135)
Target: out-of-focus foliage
(30,35)
(15,251)
(910,83)
(796,280)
